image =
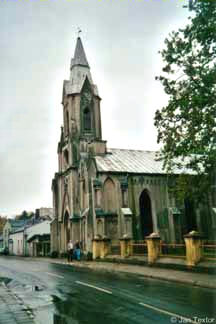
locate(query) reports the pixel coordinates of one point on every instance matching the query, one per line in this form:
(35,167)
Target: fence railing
(172,250)
(115,249)
(209,251)
(139,247)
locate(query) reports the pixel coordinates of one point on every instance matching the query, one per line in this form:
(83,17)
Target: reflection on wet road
(68,295)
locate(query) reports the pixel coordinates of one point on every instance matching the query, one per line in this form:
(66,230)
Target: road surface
(61,294)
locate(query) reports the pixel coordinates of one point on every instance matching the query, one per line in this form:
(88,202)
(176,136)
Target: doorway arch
(146,222)
(190,216)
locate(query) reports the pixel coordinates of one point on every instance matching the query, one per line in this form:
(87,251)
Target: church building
(113,193)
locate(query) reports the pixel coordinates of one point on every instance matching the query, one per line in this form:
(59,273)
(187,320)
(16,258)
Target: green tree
(24,215)
(187,124)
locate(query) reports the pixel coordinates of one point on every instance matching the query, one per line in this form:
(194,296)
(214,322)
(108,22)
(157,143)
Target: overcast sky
(37,40)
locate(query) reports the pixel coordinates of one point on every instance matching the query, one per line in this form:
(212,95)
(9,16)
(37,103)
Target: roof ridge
(123,149)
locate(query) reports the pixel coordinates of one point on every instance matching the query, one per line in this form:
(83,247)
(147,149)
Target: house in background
(11,226)
(30,236)
(31,240)
(16,241)
(38,239)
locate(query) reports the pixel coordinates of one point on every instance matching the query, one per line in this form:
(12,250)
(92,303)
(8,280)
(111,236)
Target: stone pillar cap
(97,238)
(153,236)
(105,238)
(126,237)
(193,234)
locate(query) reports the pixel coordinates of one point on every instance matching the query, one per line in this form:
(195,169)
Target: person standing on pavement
(70,251)
(77,250)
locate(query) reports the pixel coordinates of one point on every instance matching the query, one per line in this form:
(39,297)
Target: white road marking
(95,287)
(54,275)
(185,319)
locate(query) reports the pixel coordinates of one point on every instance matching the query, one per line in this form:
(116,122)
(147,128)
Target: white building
(33,240)
(16,242)
(38,239)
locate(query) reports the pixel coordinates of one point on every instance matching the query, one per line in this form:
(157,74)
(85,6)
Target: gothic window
(124,198)
(109,196)
(100,227)
(66,156)
(87,119)
(67,122)
(75,156)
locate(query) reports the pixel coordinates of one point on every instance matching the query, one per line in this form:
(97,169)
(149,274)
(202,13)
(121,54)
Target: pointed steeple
(79,71)
(79,55)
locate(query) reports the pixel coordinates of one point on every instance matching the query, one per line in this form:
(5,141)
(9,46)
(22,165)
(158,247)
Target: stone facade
(99,192)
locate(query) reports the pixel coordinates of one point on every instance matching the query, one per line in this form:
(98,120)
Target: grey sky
(37,40)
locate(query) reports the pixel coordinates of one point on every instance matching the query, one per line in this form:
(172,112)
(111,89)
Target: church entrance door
(146,224)
(66,230)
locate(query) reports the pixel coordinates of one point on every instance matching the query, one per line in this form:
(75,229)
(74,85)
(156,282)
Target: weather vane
(79,31)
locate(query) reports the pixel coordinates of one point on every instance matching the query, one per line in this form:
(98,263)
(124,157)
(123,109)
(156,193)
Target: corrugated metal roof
(131,161)
(17,223)
(38,229)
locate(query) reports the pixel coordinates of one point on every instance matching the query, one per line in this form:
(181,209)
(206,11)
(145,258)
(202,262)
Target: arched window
(100,227)
(87,119)
(109,196)
(66,156)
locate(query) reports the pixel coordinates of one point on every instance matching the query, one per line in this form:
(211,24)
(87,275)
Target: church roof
(72,88)
(79,55)
(131,161)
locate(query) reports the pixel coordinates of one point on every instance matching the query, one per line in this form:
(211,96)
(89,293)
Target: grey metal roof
(131,161)
(17,223)
(79,55)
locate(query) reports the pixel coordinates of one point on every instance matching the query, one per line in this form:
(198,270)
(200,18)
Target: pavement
(184,277)
(12,309)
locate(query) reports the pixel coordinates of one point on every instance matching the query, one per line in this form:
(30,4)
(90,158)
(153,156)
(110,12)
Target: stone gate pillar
(126,246)
(153,246)
(105,247)
(193,242)
(96,247)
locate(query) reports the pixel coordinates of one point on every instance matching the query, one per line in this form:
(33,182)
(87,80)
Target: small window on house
(87,119)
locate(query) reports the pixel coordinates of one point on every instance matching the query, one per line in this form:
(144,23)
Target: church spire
(79,55)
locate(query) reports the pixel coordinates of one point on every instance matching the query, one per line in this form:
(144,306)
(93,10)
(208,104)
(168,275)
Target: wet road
(67,295)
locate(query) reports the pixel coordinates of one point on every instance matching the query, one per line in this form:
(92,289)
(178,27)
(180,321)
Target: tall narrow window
(109,196)
(87,119)
(66,156)
(67,122)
